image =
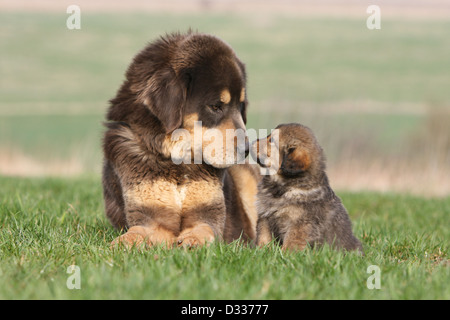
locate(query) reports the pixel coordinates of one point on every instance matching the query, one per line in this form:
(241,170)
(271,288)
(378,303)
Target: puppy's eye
(215,107)
(241,106)
(290,150)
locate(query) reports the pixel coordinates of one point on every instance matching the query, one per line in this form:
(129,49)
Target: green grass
(54,88)
(49,224)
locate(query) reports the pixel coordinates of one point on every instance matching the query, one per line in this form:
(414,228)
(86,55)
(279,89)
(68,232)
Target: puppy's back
(339,227)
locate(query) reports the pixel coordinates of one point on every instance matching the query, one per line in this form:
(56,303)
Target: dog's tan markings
(302,158)
(200,192)
(219,145)
(267,148)
(181,195)
(228,124)
(179,139)
(225,96)
(137,236)
(158,193)
(264,234)
(189,120)
(201,234)
(242,97)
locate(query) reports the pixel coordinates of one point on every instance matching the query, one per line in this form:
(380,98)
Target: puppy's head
(291,150)
(197,84)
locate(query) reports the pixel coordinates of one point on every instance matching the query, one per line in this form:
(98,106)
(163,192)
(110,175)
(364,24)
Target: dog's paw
(141,236)
(195,237)
(129,240)
(190,242)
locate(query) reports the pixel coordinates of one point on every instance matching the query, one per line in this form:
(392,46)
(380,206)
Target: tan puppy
(295,203)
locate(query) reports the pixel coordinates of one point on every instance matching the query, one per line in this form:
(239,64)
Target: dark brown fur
(173,82)
(296,205)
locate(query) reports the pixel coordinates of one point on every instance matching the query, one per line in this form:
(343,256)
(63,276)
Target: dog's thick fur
(296,205)
(172,83)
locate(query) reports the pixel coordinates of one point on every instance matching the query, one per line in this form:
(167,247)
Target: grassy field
(377,100)
(51,224)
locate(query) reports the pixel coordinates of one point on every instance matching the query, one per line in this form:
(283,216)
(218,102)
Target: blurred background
(378,100)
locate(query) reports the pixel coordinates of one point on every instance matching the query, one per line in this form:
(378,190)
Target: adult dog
(186,83)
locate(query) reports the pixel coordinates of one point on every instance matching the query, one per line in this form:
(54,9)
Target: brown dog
(167,178)
(295,203)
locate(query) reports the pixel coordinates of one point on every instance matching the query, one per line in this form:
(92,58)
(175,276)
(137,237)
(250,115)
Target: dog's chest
(183,196)
(189,194)
(278,208)
(180,189)
(269,203)
(180,194)
(288,208)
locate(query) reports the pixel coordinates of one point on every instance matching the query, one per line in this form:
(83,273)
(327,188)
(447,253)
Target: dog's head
(195,83)
(290,150)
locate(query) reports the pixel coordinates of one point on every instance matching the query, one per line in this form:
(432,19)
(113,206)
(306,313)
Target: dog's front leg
(152,214)
(202,229)
(150,227)
(203,214)
(300,235)
(263,232)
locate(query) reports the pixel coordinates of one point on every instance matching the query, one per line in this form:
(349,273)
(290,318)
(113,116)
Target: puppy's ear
(165,95)
(295,161)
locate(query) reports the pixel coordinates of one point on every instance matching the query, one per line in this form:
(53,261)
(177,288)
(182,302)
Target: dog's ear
(295,161)
(165,95)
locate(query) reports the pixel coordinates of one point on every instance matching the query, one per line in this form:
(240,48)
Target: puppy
(295,202)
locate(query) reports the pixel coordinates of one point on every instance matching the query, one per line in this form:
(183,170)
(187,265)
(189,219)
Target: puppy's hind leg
(297,238)
(203,214)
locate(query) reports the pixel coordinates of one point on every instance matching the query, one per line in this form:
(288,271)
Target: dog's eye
(241,106)
(290,150)
(215,107)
